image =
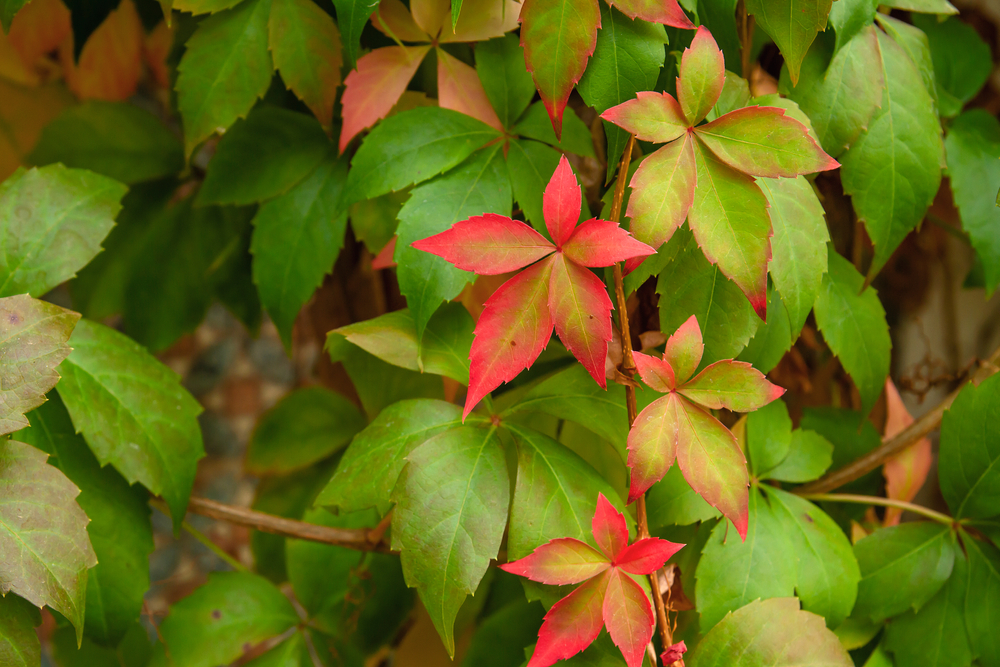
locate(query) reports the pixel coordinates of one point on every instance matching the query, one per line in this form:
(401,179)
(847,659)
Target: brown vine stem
(890,447)
(629,370)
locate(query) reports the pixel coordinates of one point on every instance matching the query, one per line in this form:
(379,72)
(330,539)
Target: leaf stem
(884,502)
(204,539)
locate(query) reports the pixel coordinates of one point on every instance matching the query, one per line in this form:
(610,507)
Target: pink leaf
(656,11)
(394,19)
(572,624)
(655,372)
(733,385)
(673,653)
(684,349)
(581,312)
(609,528)
(488,244)
(651,116)
(662,192)
(372,89)
(652,444)
(628,617)
(906,472)
(702,73)
(512,331)
(459,89)
(560,562)
(602,243)
(561,203)
(713,463)
(763,141)
(647,555)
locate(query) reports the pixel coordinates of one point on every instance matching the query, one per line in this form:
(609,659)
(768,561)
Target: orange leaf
(906,472)
(23,114)
(395,20)
(155,49)
(12,67)
(39,28)
(459,89)
(481,20)
(110,63)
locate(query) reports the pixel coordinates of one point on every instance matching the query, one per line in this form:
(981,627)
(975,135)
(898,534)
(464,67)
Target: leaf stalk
(884,502)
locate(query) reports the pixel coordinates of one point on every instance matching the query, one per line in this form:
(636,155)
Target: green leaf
(44,548)
(850,432)
(904,133)
(500,640)
(848,17)
(203,6)
(116,139)
(374,220)
(500,64)
(392,338)
(9,9)
(924,6)
(962,61)
(828,575)
(792,24)
(809,456)
(627,59)
(798,247)
(773,633)
(19,645)
(225,68)
(717,16)
(119,526)
(772,339)
(576,137)
(902,567)
(413,146)
(672,502)
(973,149)
(935,635)
(450,515)
(768,437)
(352,15)
(293,652)
(263,156)
(853,324)
(306,426)
(969,459)
(52,222)
(369,468)
(213,625)
(689,285)
(34,337)
(531,165)
(982,600)
(133,412)
(296,240)
(480,185)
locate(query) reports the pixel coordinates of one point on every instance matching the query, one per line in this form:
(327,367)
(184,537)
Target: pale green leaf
(962,60)
(809,456)
(768,437)
(969,459)
(672,501)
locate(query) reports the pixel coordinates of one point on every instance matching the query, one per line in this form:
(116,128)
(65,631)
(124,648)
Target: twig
(890,447)
(214,548)
(885,502)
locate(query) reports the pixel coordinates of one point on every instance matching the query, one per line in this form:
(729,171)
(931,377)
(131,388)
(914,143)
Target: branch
(892,446)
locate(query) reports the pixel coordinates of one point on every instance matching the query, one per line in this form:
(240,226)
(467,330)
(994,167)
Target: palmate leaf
(793,24)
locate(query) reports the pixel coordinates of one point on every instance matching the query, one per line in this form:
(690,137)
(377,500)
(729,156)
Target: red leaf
(561,203)
(581,313)
(371,90)
(656,11)
(647,555)
(662,192)
(609,528)
(702,73)
(652,444)
(512,331)
(384,258)
(684,349)
(560,562)
(673,653)
(558,37)
(733,385)
(602,243)
(460,89)
(572,624)
(628,617)
(763,141)
(651,116)
(488,244)
(906,472)
(655,372)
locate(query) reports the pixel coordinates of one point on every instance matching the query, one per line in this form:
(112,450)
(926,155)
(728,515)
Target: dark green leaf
(480,185)
(370,466)
(969,461)
(902,567)
(500,640)
(385,602)
(306,426)
(962,61)
(773,338)
(772,633)
(352,15)
(133,412)
(809,456)
(576,138)
(44,548)
(225,68)
(263,156)
(792,24)
(500,64)
(52,222)
(672,501)
(850,433)
(769,437)
(719,17)
(982,600)
(413,146)
(450,515)
(374,220)
(973,149)
(293,652)
(853,324)
(531,165)
(133,651)
(296,240)
(19,646)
